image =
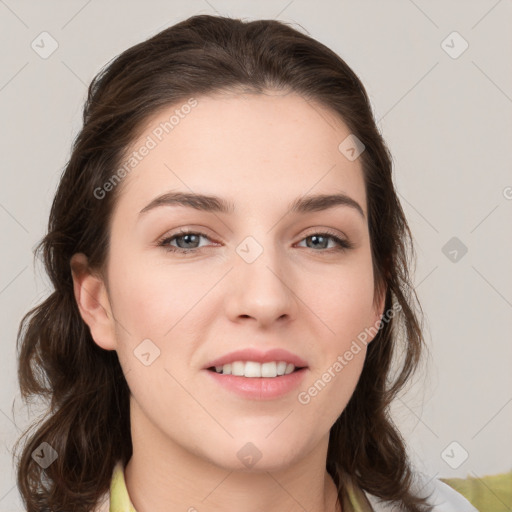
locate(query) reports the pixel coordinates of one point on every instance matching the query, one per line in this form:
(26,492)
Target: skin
(260,152)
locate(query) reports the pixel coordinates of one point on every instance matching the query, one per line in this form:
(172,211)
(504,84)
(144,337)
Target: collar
(354,499)
(119,499)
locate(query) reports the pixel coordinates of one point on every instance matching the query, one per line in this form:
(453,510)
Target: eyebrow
(209,203)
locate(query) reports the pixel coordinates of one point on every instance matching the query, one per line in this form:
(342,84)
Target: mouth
(254,381)
(253,369)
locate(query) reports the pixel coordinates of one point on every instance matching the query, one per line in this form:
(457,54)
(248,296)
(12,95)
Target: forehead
(255,150)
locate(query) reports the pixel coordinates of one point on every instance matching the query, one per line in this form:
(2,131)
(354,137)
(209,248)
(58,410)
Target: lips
(259,389)
(251,354)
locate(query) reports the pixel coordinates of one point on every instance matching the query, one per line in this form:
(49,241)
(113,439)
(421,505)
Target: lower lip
(260,388)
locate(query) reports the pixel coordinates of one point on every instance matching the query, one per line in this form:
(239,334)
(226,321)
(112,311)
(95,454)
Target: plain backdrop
(439,74)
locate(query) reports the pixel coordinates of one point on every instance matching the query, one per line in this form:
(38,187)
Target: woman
(230,263)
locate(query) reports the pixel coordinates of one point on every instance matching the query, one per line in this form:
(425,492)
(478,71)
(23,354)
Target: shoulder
(442,497)
(447,499)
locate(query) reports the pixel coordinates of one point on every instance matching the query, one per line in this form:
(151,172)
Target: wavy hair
(87,421)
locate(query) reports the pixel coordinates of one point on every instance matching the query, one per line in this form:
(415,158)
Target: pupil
(186,238)
(315,237)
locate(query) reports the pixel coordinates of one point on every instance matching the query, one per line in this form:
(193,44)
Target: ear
(91,296)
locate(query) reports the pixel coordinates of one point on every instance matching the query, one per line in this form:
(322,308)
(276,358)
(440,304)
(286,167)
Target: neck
(162,476)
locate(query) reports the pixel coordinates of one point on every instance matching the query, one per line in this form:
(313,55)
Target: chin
(255,456)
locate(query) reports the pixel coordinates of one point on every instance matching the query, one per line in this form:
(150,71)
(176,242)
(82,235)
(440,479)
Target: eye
(320,239)
(184,240)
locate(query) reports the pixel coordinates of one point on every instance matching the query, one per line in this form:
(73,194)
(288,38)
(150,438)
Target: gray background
(446,116)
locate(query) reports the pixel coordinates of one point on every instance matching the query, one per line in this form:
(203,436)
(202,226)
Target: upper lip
(252,354)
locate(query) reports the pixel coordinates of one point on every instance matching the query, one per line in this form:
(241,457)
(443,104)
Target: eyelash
(343,245)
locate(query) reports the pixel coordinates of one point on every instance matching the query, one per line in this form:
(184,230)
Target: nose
(261,289)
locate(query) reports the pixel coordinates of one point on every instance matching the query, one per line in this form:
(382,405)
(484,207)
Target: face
(263,276)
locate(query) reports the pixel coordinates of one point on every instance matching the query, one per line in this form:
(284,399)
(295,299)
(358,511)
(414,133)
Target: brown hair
(87,422)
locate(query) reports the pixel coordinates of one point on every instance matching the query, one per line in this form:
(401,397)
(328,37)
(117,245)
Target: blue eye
(189,237)
(185,237)
(319,238)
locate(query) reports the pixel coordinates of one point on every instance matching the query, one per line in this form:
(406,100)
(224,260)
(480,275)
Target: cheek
(152,298)
(342,299)
(344,303)
(151,304)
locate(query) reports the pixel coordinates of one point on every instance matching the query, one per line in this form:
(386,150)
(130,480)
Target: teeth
(281,367)
(253,369)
